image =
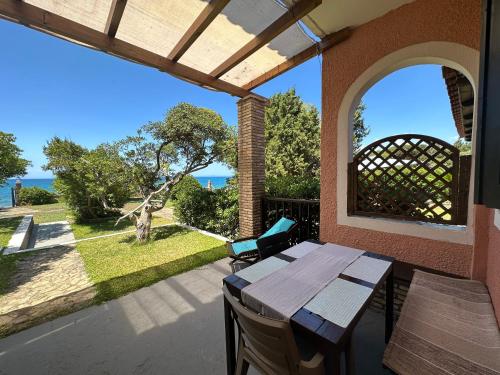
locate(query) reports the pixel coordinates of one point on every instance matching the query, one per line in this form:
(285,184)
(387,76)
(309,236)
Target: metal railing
(304,211)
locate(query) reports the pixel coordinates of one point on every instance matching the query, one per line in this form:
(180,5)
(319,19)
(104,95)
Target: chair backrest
(277,238)
(283,225)
(269,342)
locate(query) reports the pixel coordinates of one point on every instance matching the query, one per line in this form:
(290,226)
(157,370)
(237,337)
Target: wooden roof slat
(196,29)
(115,16)
(294,14)
(326,43)
(40,19)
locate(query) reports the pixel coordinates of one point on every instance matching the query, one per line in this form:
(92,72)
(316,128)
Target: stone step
(21,237)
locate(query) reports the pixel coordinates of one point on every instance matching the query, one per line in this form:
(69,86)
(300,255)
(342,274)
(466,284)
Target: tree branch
(189,169)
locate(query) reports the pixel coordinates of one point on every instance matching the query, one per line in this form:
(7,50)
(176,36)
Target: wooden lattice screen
(410,177)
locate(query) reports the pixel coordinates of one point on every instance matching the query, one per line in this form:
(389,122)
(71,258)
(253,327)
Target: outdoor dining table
(344,289)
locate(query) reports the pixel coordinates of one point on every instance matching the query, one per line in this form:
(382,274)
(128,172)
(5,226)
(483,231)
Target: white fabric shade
(158,25)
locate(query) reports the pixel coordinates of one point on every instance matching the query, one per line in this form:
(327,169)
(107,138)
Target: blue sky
(51,87)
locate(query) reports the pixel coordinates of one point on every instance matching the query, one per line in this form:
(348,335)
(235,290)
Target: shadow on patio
(175,326)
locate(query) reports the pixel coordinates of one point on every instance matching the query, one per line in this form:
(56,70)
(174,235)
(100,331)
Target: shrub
(293,187)
(93,183)
(35,195)
(226,218)
(188,183)
(215,211)
(194,205)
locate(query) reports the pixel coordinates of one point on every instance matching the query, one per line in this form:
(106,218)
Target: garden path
(46,283)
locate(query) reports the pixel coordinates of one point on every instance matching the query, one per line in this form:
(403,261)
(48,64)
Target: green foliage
(293,187)
(226,218)
(193,205)
(360,129)
(11,162)
(35,196)
(188,183)
(215,211)
(463,146)
(92,182)
(292,131)
(188,139)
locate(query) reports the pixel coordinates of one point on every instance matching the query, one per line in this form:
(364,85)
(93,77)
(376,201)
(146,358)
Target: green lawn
(7,262)
(7,227)
(107,226)
(46,213)
(118,265)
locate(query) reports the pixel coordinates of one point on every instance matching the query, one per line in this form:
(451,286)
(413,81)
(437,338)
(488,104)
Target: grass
(48,217)
(107,226)
(8,262)
(46,213)
(118,265)
(7,228)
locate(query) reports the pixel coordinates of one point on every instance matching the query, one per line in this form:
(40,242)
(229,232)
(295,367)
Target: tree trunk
(143,224)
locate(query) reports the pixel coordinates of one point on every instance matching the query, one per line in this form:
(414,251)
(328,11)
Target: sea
(47,184)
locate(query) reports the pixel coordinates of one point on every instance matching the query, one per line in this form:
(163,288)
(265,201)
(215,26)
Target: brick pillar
(251,163)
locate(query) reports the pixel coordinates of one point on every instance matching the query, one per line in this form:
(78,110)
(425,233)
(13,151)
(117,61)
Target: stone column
(17,190)
(251,163)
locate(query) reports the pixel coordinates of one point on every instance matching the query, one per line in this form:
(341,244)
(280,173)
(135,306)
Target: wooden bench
(446,326)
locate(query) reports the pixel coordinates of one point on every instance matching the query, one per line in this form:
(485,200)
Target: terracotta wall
(493,269)
(487,254)
(422,21)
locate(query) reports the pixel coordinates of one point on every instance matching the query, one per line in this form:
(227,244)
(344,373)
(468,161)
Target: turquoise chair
(273,241)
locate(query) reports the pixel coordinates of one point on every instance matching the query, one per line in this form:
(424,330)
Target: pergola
(231,46)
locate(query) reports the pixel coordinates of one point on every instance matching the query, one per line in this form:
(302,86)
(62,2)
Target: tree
(11,162)
(360,129)
(292,159)
(188,139)
(292,131)
(93,183)
(463,146)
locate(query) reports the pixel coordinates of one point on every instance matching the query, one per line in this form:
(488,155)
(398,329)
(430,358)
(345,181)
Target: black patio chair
(273,241)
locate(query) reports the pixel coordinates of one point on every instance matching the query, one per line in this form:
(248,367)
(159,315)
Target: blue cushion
(244,246)
(282,225)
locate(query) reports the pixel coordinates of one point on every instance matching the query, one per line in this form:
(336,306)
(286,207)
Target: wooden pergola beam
(114,17)
(326,43)
(199,25)
(42,20)
(294,14)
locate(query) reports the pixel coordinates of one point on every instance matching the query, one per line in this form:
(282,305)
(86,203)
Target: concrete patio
(175,326)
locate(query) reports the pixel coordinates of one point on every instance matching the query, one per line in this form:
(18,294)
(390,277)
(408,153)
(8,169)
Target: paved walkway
(173,327)
(46,282)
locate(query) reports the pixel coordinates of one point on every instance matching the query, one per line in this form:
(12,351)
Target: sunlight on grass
(48,217)
(107,226)
(118,265)
(7,228)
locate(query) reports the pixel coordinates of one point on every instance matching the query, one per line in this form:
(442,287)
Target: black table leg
(230,340)
(350,365)
(333,363)
(389,305)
